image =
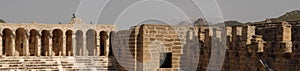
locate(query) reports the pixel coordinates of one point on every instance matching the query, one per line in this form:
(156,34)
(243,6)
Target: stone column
(260,46)
(288,47)
(13,46)
(258,43)
(228,37)
(50,52)
(38,49)
(287,37)
(84,50)
(107,45)
(98,37)
(26,47)
(73,51)
(250,31)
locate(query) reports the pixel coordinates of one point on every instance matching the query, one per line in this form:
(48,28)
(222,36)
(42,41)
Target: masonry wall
(125,51)
(255,47)
(158,39)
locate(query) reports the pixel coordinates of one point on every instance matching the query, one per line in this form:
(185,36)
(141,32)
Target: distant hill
(2,21)
(232,23)
(289,16)
(203,22)
(229,23)
(184,23)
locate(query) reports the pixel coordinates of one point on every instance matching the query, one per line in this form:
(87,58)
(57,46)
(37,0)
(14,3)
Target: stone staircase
(57,63)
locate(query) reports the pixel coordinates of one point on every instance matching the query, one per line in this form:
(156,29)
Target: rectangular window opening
(166,60)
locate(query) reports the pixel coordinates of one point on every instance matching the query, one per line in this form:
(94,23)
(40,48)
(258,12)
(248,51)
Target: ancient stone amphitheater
(98,47)
(35,46)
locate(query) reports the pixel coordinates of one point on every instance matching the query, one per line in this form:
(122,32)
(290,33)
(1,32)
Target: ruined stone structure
(253,47)
(146,44)
(36,46)
(148,47)
(256,47)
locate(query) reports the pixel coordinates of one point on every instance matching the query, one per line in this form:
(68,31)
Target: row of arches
(54,43)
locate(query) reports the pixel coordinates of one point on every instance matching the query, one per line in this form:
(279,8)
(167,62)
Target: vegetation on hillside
(2,21)
(289,16)
(203,22)
(232,23)
(229,23)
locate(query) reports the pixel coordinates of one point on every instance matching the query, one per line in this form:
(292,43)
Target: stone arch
(33,42)
(7,36)
(79,43)
(103,43)
(91,42)
(57,42)
(69,45)
(21,42)
(45,38)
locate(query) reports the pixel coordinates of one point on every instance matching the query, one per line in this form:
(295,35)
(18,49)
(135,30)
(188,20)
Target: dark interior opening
(166,60)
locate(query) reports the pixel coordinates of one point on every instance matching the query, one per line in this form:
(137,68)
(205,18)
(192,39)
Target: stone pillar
(98,37)
(73,51)
(260,46)
(247,33)
(13,46)
(288,47)
(50,52)
(258,43)
(228,36)
(84,50)
(287,37)
(107,45)
(26,47)
(39,45)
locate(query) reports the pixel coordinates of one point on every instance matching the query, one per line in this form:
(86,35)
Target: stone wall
(157,39)
(248,47)
(125,49)
(269,47)
(253,47)
(146,43)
